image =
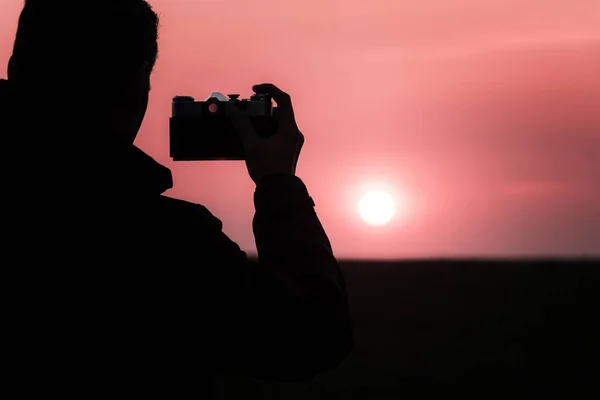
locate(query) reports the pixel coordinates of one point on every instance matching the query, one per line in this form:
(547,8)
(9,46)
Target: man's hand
(278,153)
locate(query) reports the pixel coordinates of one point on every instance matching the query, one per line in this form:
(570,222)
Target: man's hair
(102,42)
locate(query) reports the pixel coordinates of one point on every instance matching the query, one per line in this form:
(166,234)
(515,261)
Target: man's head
(97,54)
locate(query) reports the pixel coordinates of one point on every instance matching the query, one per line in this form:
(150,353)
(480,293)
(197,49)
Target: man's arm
(286,317)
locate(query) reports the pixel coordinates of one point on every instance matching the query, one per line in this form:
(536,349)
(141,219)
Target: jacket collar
(113,165)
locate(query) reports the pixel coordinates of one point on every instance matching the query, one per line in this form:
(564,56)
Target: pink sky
(481,117)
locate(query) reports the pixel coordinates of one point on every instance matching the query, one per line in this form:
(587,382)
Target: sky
(480,118)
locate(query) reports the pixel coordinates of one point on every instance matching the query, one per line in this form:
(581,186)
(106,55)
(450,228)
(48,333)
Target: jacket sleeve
(285,317)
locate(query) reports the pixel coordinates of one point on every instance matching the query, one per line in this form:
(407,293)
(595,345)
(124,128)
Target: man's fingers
(285,111)
(282,99)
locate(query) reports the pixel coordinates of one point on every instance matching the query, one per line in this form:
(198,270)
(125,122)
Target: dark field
(493,329)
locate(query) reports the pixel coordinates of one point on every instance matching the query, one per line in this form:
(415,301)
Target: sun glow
(377,208)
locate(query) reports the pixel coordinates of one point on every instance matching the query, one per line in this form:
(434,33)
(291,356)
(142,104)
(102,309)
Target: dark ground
(429,329)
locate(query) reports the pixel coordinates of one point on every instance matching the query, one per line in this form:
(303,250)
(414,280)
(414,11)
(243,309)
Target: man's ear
(144,74)
(12,68)
(140,82)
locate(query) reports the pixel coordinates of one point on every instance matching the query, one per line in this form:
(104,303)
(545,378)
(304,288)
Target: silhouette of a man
(115,289)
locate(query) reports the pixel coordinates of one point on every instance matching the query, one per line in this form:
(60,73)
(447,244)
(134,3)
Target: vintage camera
(202,130)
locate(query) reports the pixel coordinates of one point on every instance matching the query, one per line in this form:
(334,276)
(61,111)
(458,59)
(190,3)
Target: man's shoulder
(173,211)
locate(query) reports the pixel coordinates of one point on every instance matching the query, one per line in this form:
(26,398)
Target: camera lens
(213,108)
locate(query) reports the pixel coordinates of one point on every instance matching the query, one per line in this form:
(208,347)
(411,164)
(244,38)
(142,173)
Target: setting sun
(376,208)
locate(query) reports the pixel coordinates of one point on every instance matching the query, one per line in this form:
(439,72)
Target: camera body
(203,130)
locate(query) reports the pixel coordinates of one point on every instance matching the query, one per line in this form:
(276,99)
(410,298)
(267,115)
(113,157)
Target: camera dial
(259,97)
(183,99)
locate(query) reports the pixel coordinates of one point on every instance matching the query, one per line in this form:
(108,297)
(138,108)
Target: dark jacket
(112,287)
